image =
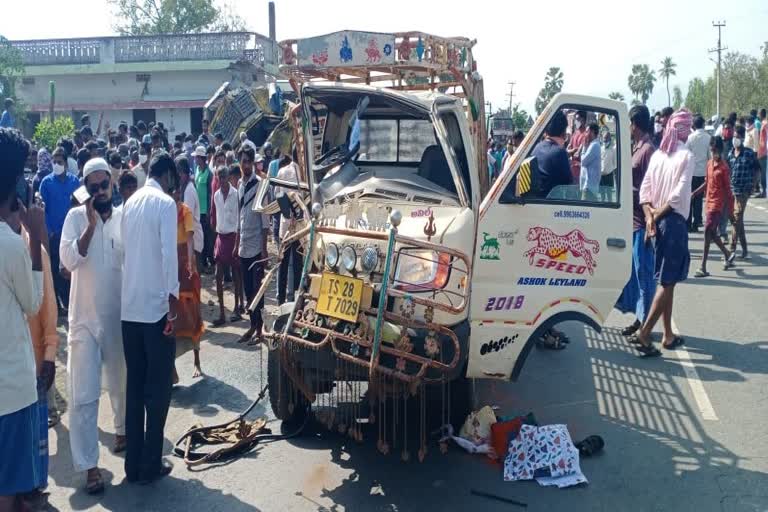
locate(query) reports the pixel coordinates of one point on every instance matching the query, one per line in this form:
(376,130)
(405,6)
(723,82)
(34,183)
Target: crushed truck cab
(416,273)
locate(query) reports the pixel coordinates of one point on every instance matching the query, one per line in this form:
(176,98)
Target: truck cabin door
(554,236)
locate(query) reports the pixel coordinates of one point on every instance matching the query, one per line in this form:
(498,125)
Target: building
(157,78)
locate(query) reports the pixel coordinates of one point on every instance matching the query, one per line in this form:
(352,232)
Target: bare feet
(198,372)
(120,444)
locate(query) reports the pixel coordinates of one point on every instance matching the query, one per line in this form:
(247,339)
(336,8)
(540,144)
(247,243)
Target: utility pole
(719,25)
(511,95)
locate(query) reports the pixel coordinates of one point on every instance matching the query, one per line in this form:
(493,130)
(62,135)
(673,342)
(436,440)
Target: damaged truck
(418,274)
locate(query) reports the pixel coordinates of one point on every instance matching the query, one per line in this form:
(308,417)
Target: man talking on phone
(149,294)
(92,250)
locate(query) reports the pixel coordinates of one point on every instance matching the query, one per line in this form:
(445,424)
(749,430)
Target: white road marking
(697,387)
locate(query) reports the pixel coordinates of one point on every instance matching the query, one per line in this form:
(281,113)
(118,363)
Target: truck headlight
(349,258)
(331,255)
(369,259)
(422,270)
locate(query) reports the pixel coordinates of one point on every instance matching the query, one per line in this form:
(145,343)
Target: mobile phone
(81,194)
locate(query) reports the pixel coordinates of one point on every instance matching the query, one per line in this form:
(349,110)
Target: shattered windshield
(387,148)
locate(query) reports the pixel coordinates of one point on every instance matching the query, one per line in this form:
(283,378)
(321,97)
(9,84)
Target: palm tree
(667,70)
(641,81)
(615,95)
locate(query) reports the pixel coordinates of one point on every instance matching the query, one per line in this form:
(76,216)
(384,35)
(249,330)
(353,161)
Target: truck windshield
(395,140)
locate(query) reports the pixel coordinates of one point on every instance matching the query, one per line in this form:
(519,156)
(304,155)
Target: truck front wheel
(288,403)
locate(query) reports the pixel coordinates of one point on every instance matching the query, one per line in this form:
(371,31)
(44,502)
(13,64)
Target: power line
(511,95)
(719,25)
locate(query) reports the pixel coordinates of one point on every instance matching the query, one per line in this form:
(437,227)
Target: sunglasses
(93,188)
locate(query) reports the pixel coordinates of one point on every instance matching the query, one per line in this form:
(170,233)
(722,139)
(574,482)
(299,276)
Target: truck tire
(461,400)
(282,391)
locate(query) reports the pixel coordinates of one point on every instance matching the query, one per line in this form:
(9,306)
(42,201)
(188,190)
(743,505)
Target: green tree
(11,68)
(666,71)
(553,84)
(48,133)
(520,118)
(677,97)
(641,82)
(700,98)
(615,95)
(147,17)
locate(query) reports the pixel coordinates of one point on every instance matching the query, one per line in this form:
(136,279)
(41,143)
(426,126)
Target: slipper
(677,341)
(648,351)
(590,446)
(704,273)
(246,336)
(235,318)
(95,486)
(219,322)
(631,329)
(634,340)
(255,341)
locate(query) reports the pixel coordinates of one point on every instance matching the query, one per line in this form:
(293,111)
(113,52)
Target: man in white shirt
(92,251)
(225,222)
(149,294)
(189,197)
(698,145)
(21,294)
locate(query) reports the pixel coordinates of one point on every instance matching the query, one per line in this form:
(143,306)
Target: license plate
(340,296)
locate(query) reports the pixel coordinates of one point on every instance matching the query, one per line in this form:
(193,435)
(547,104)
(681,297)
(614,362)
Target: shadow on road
(658,454)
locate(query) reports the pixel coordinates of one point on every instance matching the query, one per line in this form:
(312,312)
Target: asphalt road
(683,432)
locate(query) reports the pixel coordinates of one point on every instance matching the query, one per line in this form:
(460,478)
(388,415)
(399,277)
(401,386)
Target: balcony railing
(59,51)
(233,46)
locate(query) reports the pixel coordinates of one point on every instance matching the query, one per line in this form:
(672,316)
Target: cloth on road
(672,256)
(546,453)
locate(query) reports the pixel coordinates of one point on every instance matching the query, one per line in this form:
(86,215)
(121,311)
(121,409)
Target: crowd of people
(114,234)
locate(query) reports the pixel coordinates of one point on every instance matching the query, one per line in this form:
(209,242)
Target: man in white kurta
(92,250)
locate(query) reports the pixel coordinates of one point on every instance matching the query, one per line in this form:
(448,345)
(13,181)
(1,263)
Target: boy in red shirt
(719,198)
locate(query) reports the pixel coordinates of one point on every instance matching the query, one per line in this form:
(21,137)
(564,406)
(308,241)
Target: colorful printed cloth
(543,452)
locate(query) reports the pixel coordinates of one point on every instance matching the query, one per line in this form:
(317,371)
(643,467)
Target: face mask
(58,169)
(737,142)
(657,127)
(579,124)
(142,159)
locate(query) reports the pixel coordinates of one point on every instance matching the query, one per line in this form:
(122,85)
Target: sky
(594,43)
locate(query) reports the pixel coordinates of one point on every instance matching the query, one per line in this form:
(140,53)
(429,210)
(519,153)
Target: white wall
(121,88)
(175,120)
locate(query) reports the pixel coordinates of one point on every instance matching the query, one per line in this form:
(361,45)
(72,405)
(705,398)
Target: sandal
(120,444)
(95,485)
(256,340)
(704,273)
(235,318)
(219,322)
(677,341)
(247,336)
(590,446)
(549,342)
(648,351)
(631,329)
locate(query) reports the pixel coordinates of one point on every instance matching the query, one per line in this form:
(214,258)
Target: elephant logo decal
(490,248)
